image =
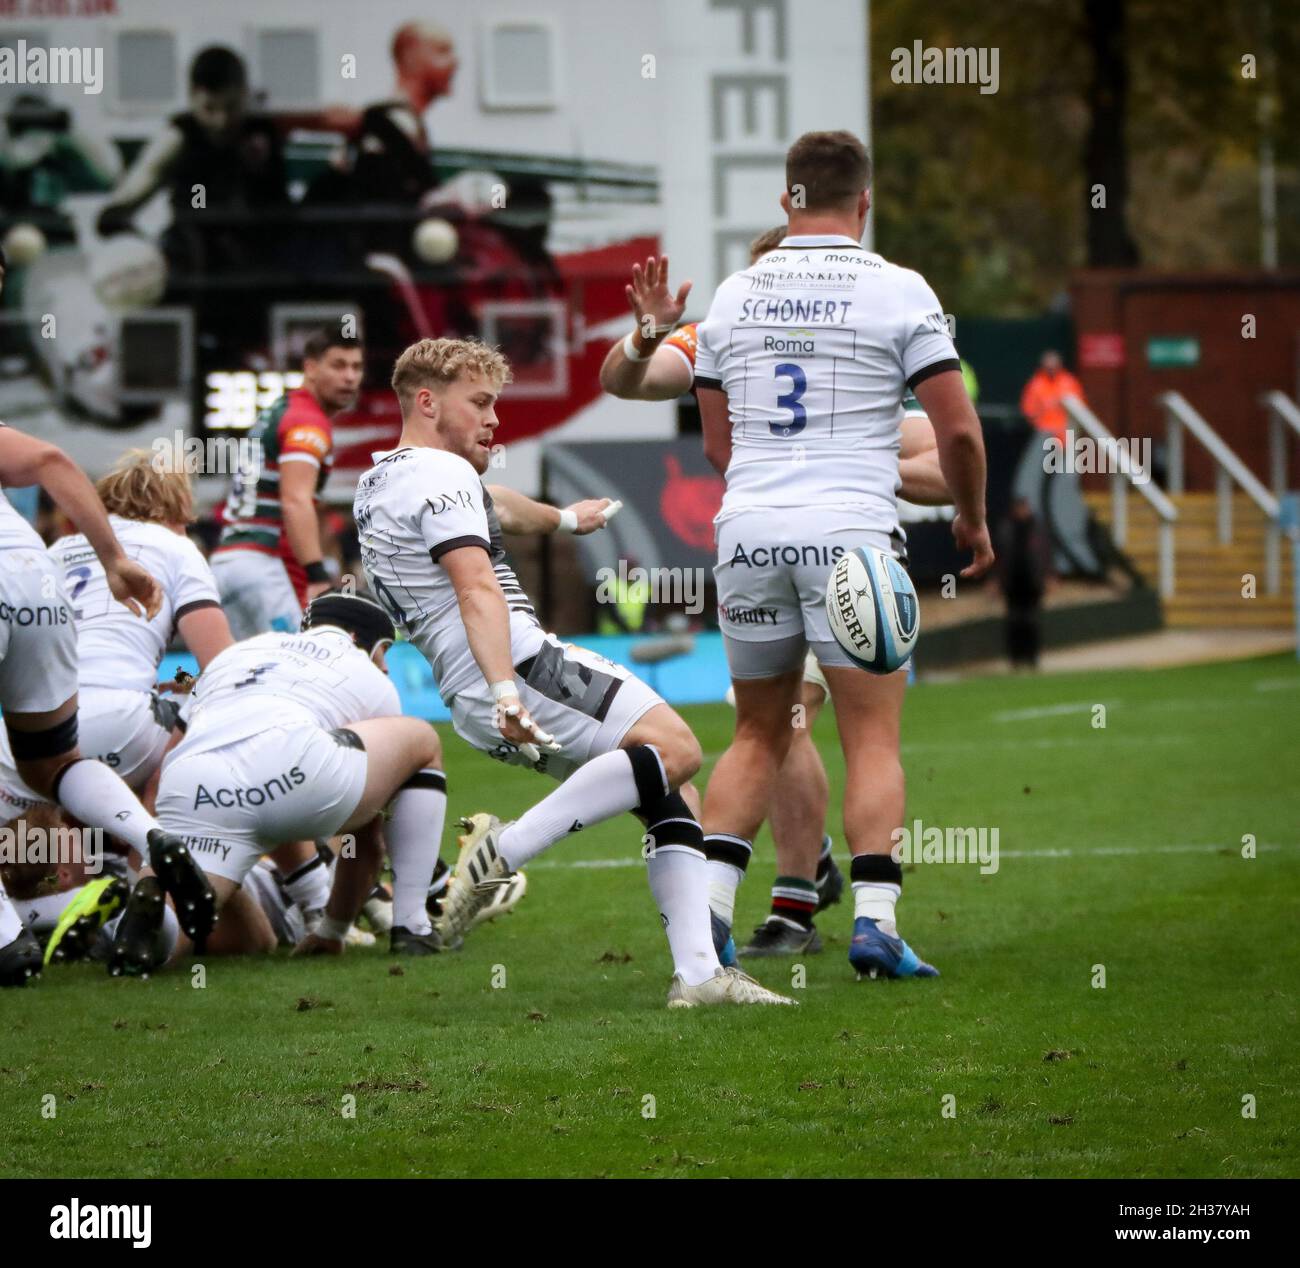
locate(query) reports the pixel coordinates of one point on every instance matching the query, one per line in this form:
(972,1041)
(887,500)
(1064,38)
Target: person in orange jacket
(1040,402)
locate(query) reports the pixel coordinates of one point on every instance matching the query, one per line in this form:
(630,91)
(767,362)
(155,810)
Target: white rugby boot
(503,899)
(480,871)
(726,986)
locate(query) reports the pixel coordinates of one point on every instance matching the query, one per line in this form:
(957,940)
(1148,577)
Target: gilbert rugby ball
(873,610)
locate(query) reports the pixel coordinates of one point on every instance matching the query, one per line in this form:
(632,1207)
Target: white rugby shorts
(586,702)
(126,730)
(233,804)
(16,799)
(771,576)
(256,593)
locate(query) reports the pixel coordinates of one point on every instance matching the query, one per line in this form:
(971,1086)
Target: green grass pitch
(1121,847)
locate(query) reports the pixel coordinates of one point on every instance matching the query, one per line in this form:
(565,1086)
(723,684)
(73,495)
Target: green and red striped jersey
(293,429)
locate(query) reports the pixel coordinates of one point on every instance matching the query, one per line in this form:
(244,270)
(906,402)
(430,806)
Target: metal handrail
(1282,413)
(1127,473)
(1230,469)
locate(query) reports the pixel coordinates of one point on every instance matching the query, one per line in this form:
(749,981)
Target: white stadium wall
(704,95)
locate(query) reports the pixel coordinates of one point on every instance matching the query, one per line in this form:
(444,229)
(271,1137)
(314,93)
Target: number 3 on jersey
(790,401)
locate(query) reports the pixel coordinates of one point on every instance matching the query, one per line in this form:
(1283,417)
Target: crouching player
(38,668)
(431,547)
(291,737)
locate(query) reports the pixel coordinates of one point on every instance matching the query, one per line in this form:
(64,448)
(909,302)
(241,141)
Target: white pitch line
(1050,711)
(1019,744)
(1277,684)
(1109,851)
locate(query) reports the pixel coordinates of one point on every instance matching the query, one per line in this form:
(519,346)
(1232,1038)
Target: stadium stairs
(1208,577)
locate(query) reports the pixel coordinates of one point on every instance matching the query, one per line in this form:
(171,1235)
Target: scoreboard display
(232,398)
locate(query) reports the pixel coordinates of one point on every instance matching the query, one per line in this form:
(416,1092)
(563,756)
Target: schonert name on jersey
(834,312)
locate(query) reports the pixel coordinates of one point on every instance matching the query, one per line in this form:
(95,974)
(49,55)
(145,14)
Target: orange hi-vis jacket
(1040,402)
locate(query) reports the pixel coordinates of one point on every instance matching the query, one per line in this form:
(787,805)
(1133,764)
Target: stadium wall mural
(226,185)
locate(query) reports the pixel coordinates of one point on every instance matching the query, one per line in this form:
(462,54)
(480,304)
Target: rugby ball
(128,273)
(873,610)
(435,240)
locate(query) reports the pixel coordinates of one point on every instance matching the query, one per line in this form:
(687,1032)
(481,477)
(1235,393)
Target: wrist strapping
(630,349)
(568,521)
(316,572)
(333,930)
(506,687)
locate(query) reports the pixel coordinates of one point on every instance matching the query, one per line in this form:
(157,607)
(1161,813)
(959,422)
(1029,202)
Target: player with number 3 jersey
(803,363)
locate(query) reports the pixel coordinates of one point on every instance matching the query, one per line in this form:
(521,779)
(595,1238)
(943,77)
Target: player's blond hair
(767,241)
(141,488)
(434,363)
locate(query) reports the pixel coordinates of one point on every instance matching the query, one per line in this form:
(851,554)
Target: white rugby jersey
(816,345)
(319,677)
(116,648)
(15,532)
(412,507)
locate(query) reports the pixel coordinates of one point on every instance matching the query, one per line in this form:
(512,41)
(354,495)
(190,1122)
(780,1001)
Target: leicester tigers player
(268,562)
(290,737)
(431,547)
(802,364)
(38,668)
(650,364)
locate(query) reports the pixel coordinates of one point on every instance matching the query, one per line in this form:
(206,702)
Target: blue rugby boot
(723,943)
(875,953)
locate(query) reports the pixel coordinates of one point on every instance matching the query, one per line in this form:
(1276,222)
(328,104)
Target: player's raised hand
(656,308)
(978,542)
(134,586)
(594,514)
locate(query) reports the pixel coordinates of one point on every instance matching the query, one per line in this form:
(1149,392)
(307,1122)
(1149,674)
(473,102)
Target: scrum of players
(255,806)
